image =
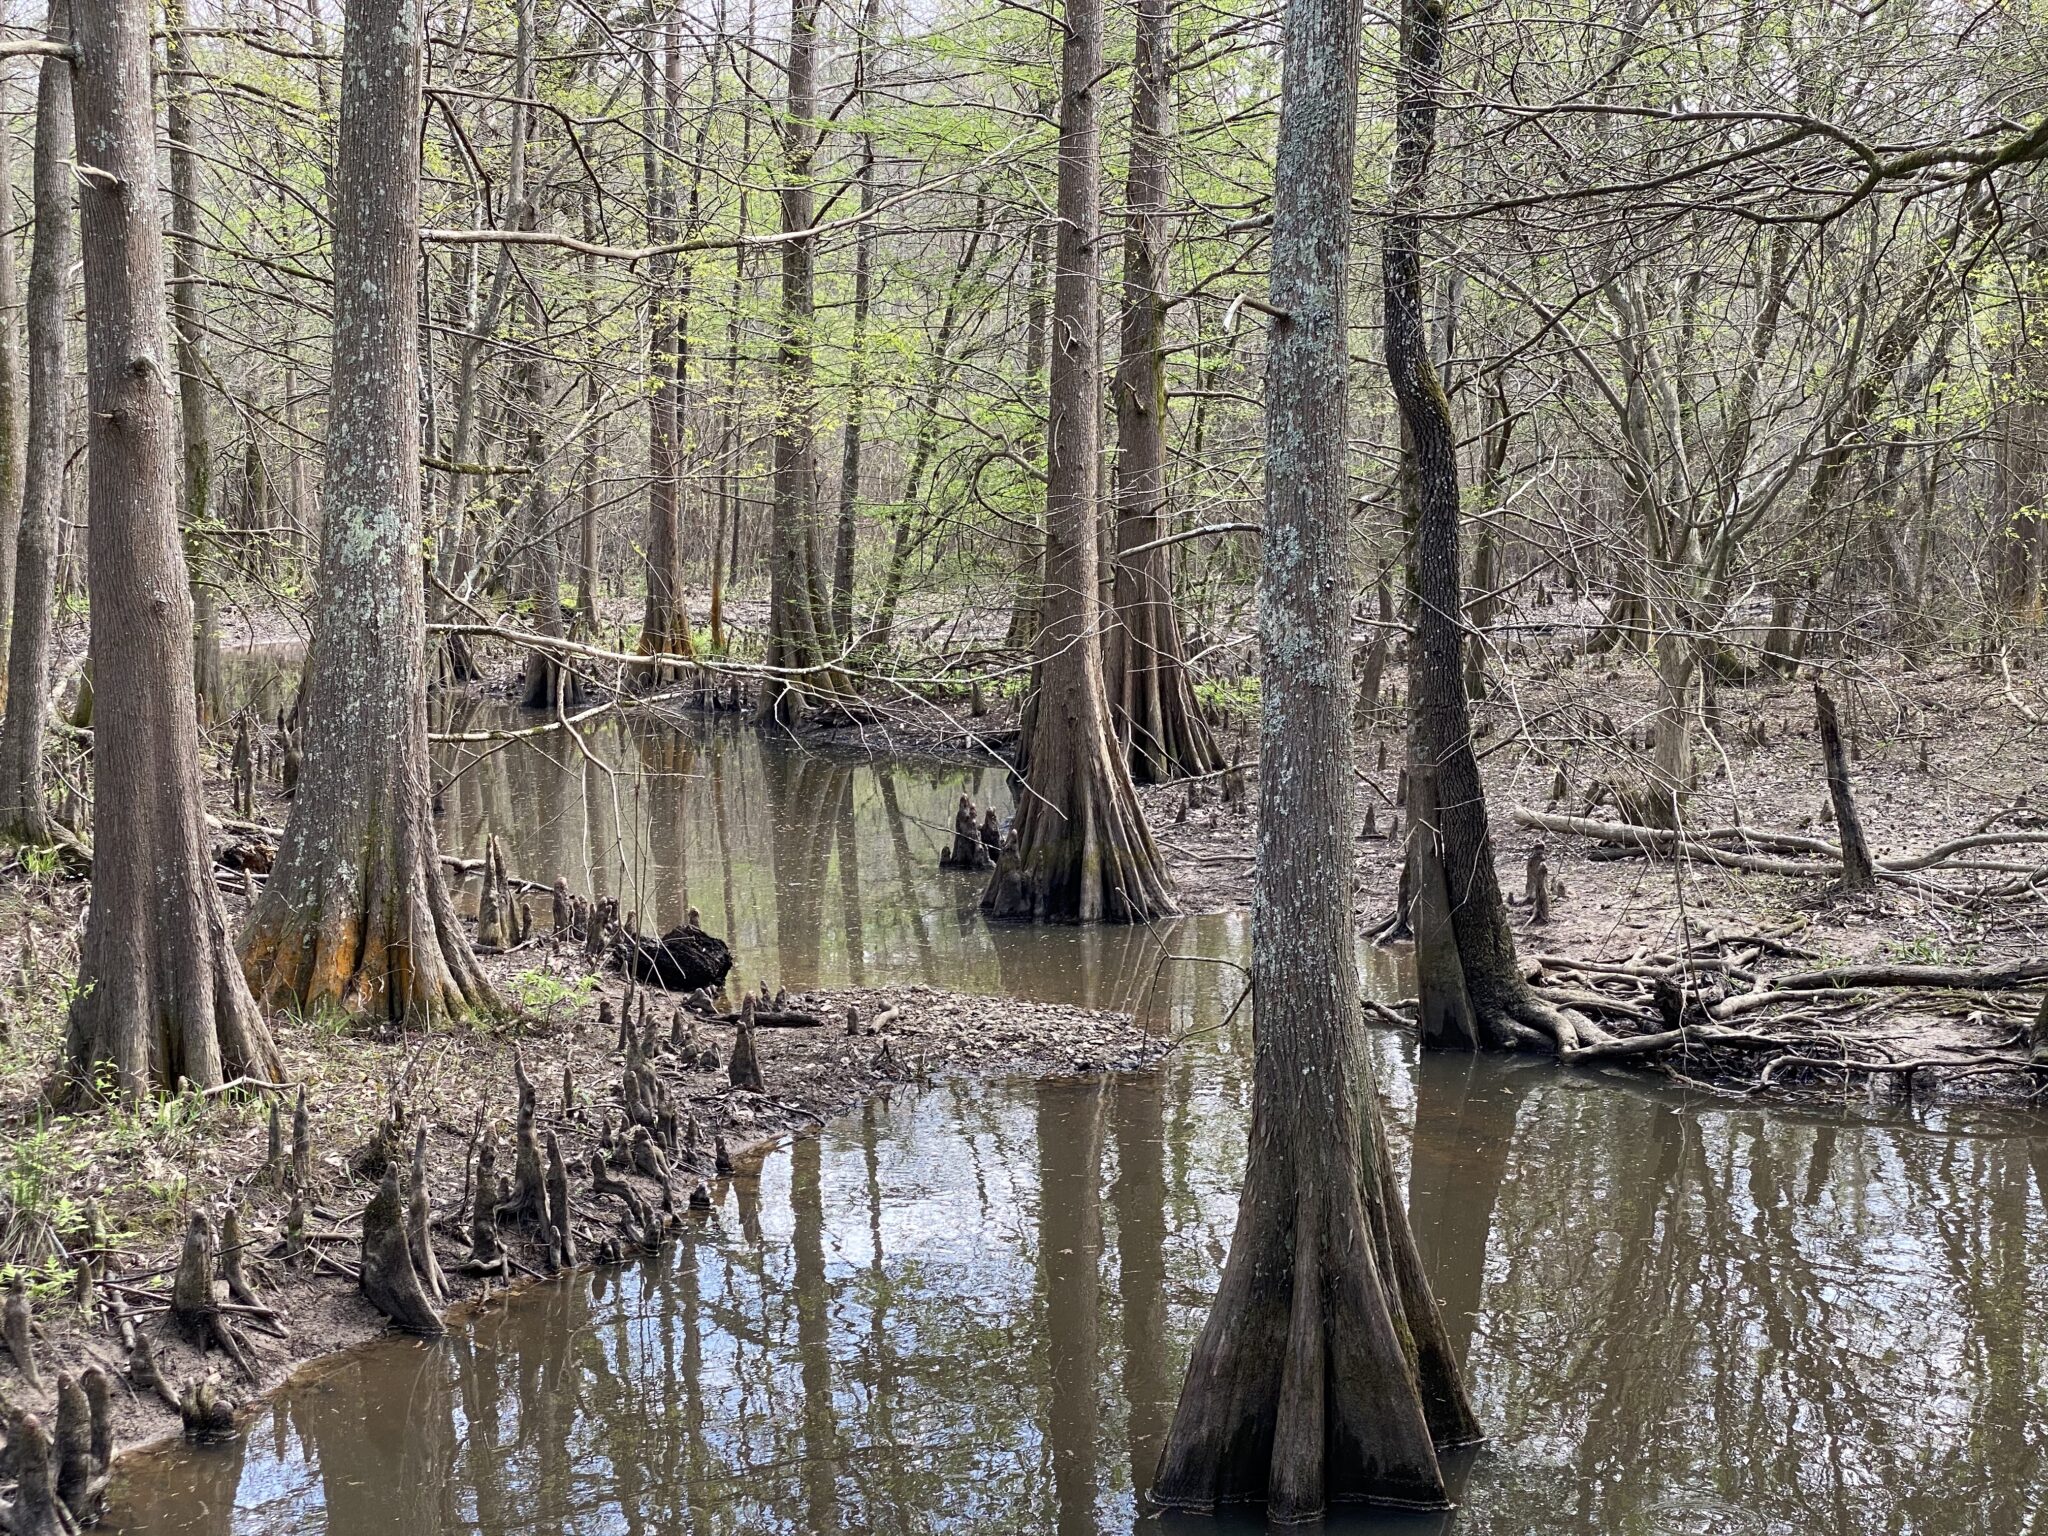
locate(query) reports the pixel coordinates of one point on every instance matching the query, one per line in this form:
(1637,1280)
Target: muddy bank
(143,1173)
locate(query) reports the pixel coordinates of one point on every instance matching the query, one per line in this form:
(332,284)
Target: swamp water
(967,1309)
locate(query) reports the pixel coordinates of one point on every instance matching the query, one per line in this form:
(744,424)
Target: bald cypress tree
(354,914)
(160,994)
(1323,1374)
(1081,851)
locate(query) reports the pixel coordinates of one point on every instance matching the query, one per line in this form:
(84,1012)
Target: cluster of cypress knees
(645,1135)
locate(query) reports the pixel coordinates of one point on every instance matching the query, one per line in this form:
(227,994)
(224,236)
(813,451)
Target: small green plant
(554,998)
(35,1210)
(1928,949)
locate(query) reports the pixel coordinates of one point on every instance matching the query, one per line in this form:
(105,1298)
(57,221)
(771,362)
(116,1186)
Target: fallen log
(1946,978)
(1705,846)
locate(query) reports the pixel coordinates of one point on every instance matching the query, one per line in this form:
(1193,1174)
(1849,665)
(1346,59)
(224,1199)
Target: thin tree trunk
(857,379)
(1323,1373)
(354,914)
(160,995)
(1030,576)
(1859,874)
(1159,728)
(1471,984)
(665,624)
(23,813)
(188,322)
(1080,851)
(799,619)
(11,467)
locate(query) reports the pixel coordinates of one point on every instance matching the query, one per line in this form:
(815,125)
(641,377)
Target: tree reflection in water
(967,1310)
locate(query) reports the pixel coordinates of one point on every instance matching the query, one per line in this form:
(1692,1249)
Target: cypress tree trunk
(1030,576)
(665,623)
(354,914)
(857,380)
(1473,994)
(1160,730)
(1081,851)
(11,469)
(160,995)
(188,322)
(23,814)
(799,618)
(1323,1374)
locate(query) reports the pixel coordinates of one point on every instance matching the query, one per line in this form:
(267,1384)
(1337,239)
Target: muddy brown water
(967,1309)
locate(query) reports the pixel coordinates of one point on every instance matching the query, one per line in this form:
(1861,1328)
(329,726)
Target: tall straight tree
(354,914)
(160,995)
(188,323)
(1323,1373)
(1081,851)
(1472,989)
(799,615)
(23,814)
(665,623)
(11,449)
(1158,725)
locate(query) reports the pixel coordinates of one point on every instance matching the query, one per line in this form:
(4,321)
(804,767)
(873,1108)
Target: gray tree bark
(23,813)
(12,473)
(1472,990)
(354,914)
(1158,725)
(188,324)
(160,993)
(1081,851)
(1323,1374)
(799,613)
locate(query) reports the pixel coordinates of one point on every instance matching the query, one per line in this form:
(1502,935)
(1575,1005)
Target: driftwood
(1707,846)
(1953,978)
(681,960)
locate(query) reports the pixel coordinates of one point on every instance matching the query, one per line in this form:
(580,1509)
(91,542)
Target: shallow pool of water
(968,1309)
